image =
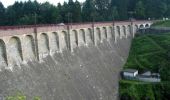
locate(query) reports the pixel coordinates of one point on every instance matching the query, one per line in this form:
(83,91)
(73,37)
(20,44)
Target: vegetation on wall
(20,96)
(91,10)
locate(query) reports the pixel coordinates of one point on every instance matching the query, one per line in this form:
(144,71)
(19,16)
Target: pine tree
(2,14)
(89,11)
(140,10)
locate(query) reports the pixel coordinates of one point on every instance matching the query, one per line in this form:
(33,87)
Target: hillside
(162,23)
(148,52)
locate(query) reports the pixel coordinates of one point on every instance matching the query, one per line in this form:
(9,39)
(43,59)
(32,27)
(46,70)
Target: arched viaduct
(26,43)
(21,45)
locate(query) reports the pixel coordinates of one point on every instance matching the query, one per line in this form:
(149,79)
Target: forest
(33,12)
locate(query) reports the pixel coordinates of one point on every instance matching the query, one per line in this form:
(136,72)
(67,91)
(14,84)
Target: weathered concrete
(77,62)
(88,73)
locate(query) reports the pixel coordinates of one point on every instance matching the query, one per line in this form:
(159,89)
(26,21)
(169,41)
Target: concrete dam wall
(65,62)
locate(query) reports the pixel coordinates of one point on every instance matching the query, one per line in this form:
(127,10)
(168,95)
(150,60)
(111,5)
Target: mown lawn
(148,52)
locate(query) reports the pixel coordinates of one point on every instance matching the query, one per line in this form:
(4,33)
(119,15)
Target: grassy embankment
(148,52)
(162,23)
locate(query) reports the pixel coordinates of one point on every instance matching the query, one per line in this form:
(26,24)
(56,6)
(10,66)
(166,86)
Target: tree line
(31,12)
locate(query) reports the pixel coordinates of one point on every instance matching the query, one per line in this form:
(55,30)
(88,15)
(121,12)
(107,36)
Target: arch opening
(104,33)
(136,28)
(147,26)
(55,41)
(89,36)
(98,34)
(141,26)
(15,50)
(44,43)
(81,37)
(3,54)
(74,39)
(110,32)
(64,40)
(118,30)
(124,30)
(129,29)
(29,47)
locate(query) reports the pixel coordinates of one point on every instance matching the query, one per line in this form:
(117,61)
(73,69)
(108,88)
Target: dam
(78,61)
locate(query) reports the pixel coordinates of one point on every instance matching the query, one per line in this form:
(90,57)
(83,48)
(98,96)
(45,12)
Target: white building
(130,72)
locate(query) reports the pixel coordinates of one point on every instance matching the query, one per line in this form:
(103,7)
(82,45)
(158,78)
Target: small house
(130,73)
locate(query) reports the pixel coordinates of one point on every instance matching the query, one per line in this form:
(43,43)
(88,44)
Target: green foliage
(130,90)
(20,96)
(91,10)
(148,52)
(140,10)
(162,24)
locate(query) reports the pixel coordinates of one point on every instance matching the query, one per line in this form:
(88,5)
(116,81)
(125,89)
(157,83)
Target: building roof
(130,70)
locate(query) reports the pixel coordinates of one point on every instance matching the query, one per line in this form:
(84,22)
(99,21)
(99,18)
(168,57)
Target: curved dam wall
(69,62)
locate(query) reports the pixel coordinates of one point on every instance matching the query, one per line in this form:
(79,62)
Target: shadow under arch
(74,38)
(147,26)
(89,35)
(30,46)
(64,40)
(55,39)
(3,53)
(98,34)
(15,49)
(104,32)
(82,35)
(124,30)
(141,26)
(44,43)
(118,30)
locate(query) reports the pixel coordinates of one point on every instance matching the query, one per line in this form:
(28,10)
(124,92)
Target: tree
(102,7)
(77,12)
(88,11)
(2,14)
(140,10)
(113,14)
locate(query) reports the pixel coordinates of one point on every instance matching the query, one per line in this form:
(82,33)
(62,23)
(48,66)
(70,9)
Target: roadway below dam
(87,73)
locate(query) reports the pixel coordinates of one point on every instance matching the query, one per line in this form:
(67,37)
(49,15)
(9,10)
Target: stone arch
(54,41)
(118,30)
(74,38)
(15,50)
(124,30)
(63,40)
(89,35)
(104,34)
(110,33)
(29,47)
(44,43)
(3,54)
(129,29)
(98,34)
(147,26)
(81,37)
(135,28)
(141,26)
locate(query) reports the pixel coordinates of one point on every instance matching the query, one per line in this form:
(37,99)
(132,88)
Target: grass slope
(148,52)
(162,23)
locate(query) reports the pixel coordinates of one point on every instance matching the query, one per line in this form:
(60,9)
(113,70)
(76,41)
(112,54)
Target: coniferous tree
(2,14)
(88,11)
(140,10)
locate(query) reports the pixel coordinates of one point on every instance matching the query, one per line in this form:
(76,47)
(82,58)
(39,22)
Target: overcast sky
(10,2)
